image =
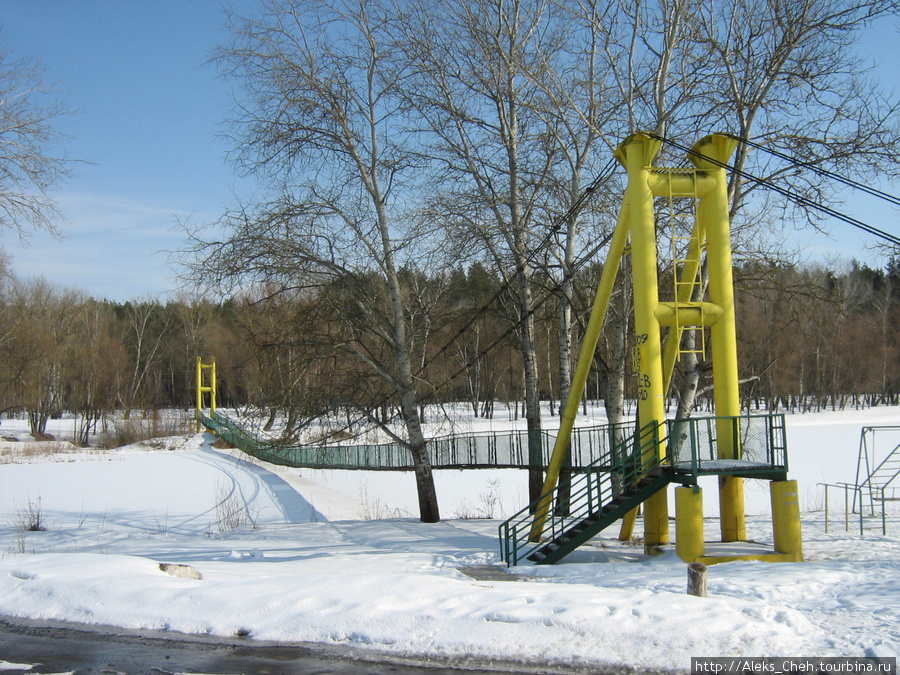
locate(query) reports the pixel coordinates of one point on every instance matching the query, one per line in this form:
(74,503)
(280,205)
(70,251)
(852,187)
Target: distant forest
(808,338)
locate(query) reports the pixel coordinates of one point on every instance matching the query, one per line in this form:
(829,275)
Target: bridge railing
(488,449)
(758,446)
(716,445)
(509,449)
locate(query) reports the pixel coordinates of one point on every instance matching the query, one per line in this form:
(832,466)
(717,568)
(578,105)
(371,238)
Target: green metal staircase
(580,533)
(590,501)
(630,472)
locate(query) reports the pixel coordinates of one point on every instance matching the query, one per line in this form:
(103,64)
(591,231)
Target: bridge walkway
(479,450)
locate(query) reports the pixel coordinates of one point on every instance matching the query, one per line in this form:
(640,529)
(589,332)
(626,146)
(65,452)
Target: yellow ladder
(687,253)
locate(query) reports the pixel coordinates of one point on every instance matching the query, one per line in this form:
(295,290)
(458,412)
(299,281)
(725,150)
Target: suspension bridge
(611,470)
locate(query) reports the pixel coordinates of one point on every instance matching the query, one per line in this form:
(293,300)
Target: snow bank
(306,567)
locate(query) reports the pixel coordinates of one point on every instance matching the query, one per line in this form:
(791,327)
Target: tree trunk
(532,394)
(614,382)
(565,345)
(428,504)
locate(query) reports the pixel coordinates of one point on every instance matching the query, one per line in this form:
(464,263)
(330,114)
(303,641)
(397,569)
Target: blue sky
(149,111)
(149,116)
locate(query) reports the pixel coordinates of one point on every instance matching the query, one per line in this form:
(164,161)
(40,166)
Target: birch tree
(474,66)
(319,117)
(784,74)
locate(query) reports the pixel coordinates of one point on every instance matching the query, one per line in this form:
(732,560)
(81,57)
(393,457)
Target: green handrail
(760,443)
(585,493)
(759,440)
(481,449)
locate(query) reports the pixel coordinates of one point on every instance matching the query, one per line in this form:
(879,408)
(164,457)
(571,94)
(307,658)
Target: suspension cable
(790,195)
(822,172)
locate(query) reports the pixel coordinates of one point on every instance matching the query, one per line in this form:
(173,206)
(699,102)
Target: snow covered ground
(335,557)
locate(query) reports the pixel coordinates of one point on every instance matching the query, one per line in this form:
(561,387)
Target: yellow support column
(689,544)
(201,389)
(711,154)
(636,154)
(582,368)
(212,389)
(199,393)
(786,519)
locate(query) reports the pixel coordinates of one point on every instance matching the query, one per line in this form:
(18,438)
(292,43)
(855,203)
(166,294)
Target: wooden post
(696,579)
(846,508)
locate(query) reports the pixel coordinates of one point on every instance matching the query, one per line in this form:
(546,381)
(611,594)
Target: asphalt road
(50,647)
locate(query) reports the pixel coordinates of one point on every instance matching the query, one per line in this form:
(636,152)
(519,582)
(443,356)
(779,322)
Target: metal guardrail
(507,449)
(748,444)
(847,489)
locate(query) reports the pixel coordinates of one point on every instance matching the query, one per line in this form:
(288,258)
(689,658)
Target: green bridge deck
(483,450)
(693,448)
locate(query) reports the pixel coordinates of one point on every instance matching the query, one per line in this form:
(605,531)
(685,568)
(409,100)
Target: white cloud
(112,248)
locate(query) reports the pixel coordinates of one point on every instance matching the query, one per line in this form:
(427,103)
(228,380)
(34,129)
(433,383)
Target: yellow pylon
(205,389)
(707,185)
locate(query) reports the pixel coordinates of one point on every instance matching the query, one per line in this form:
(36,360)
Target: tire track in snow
(293,506)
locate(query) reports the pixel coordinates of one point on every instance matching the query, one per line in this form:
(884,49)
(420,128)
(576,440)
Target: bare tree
(783,74)
(579,108)
(28,167)
(626,68)
(145,326)
(778,73)
(320,117)
(92,368)
(473,89)
(37,348)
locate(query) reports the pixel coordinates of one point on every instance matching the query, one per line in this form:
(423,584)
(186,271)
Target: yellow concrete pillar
(636,154)
(786,519)
(731,508)
(689,544)
(710,154)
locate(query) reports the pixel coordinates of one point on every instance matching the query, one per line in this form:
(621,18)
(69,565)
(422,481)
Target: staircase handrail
(583,493)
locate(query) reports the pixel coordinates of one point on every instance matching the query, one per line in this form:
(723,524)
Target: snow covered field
(335,557)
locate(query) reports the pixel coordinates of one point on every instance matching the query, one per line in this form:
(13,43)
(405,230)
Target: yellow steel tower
(205,389)
(707,185)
